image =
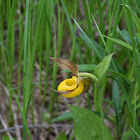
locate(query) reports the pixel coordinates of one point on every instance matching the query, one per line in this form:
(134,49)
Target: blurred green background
(32,31)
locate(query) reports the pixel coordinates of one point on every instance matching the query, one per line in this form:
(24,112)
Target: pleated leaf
(88,125)
(102,67)
(65,116)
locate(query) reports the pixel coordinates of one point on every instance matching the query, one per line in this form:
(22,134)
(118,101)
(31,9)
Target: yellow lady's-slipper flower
(71,87)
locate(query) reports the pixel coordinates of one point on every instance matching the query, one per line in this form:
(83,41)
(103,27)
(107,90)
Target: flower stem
(89,75)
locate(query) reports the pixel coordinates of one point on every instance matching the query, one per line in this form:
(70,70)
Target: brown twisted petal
(62,92)
(67,64)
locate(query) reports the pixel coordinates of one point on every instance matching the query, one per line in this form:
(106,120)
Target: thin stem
(101,110)
(89,75)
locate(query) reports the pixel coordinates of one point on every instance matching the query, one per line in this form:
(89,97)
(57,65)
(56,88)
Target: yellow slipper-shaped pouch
(71,87)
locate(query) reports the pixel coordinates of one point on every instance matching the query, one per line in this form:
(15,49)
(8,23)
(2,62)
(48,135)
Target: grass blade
(117,105)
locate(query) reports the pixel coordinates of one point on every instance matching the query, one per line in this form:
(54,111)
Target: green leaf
(63,71)
(124,44)
(125,35)
(118,74)
(135,18)
(88,125)
(86,67)
(117,104)
(93,45)
(62,136)
(65,116)
(68,116)
(102,67)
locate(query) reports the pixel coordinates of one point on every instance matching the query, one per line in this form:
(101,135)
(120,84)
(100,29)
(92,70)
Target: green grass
(82,31)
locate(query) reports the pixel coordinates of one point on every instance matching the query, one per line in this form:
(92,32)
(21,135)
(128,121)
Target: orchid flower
(74,86)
